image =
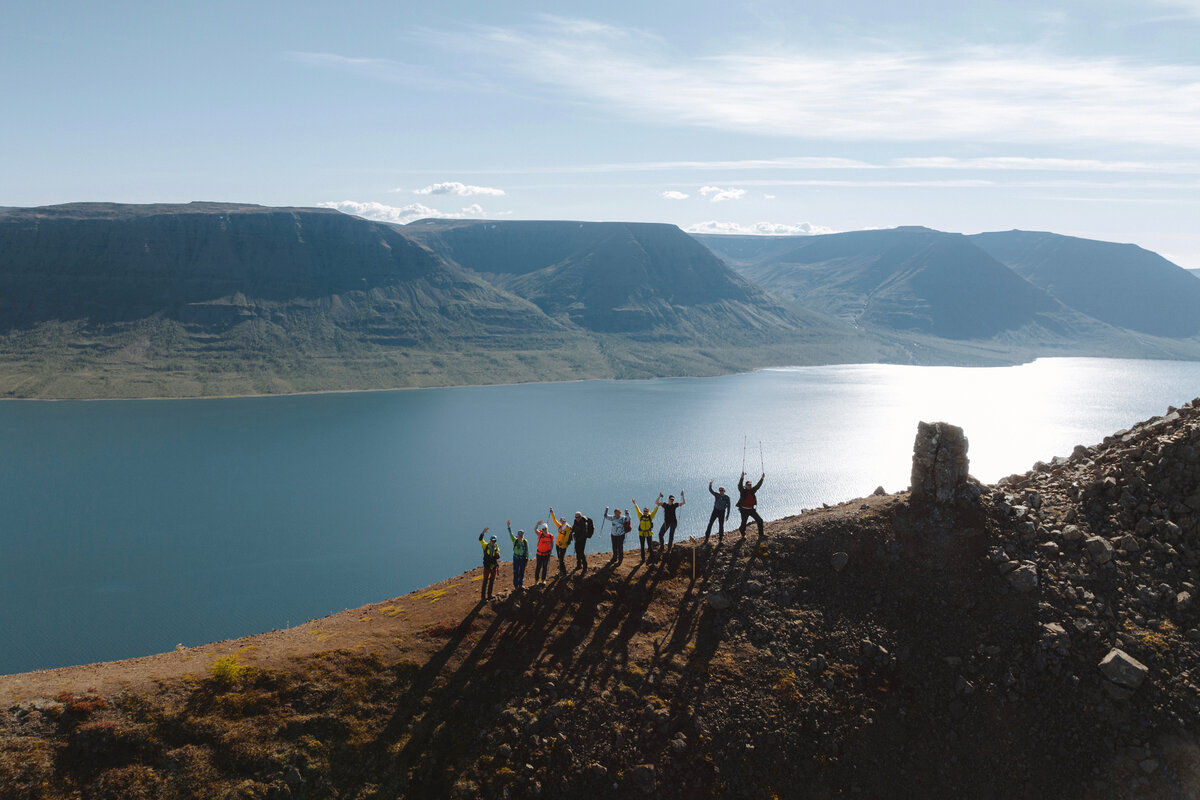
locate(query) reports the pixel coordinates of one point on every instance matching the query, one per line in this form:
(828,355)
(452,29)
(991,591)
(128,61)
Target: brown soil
(879,648)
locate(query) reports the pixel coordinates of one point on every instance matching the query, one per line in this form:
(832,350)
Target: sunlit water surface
(130,526)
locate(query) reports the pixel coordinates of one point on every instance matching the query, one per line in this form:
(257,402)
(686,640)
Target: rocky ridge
(1037,638)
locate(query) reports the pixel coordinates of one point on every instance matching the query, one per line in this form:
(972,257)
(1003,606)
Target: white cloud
(768,197)
(379,212)
(474,210)
(460,189)
(986,94)
(673,195)
(759,228)
(1184,9)
(716,194)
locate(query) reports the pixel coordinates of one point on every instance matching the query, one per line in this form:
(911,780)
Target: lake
(131,526)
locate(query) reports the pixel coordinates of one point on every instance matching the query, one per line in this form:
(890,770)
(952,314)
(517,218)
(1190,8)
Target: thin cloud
(759,228)
(985,94)
(382,69)
(716,194)
(991,164)
(673,195)
(460,189)
(400,215)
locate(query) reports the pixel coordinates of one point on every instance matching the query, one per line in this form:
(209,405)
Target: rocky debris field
(1037,638)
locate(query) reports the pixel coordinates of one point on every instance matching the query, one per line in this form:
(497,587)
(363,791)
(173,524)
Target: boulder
(1123,669)
(1099,548)
(939,468)
(1024,578)
(642,778)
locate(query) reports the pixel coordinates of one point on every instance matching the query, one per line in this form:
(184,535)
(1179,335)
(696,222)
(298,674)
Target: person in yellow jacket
(491,565)
(562,541)
(645,528)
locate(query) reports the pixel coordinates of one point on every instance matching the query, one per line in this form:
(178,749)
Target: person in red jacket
(748,502)
(545,541)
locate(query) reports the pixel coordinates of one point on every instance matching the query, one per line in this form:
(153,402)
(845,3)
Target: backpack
(627,524)
(589,527)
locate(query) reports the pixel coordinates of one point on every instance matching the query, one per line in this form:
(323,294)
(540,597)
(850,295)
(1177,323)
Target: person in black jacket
(670,519)
(748,502)
(581,529)
(720,512)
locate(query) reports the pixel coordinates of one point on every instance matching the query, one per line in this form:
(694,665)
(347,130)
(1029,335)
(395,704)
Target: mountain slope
(212,265)
(1120,284)
(614,277)
(116,300)
(908,279)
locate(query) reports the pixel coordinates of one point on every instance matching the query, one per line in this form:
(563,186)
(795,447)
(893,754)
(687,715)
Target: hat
(520,533)
(493,538)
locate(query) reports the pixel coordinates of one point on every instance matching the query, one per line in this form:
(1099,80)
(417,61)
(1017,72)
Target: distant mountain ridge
(982,286)
(116,300)
(1121,284)
(214,298)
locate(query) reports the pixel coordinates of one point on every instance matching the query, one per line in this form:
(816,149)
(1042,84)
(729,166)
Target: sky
(1081,118)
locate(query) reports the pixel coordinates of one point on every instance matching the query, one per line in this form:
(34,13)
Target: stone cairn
(940,463)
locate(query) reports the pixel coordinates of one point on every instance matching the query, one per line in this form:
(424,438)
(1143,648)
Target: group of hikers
(577,531)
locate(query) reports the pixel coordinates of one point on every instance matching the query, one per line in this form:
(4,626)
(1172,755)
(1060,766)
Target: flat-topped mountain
(611,276)
(118,300)
(904,279)
(102,299)
(1121,284)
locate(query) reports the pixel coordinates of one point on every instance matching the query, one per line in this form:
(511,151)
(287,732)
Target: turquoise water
(130,526)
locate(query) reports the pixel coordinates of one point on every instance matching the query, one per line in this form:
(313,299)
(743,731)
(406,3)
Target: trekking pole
(743,455)
(761,463)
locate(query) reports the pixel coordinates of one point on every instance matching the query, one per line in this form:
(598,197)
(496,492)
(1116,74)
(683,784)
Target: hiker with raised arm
(544,544)
(620,527)
(520,546)
(491,565)
(748,502)
(720,512)
(581,530)
(645,528)
(562,540)
(670,518)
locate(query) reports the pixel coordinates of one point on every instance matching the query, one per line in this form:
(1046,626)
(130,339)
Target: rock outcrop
(940,462)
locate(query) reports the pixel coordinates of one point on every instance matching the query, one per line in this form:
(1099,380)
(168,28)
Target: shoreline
(1015,363)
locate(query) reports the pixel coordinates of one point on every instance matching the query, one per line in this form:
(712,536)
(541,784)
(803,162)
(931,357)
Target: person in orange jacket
(544,542)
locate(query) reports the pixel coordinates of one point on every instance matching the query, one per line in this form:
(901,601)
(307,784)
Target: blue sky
(1080,118)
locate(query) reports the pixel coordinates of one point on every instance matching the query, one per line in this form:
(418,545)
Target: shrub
(227,670)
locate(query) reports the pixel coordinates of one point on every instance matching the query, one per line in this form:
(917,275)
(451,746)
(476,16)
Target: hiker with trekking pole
(747,498)
(620,526)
